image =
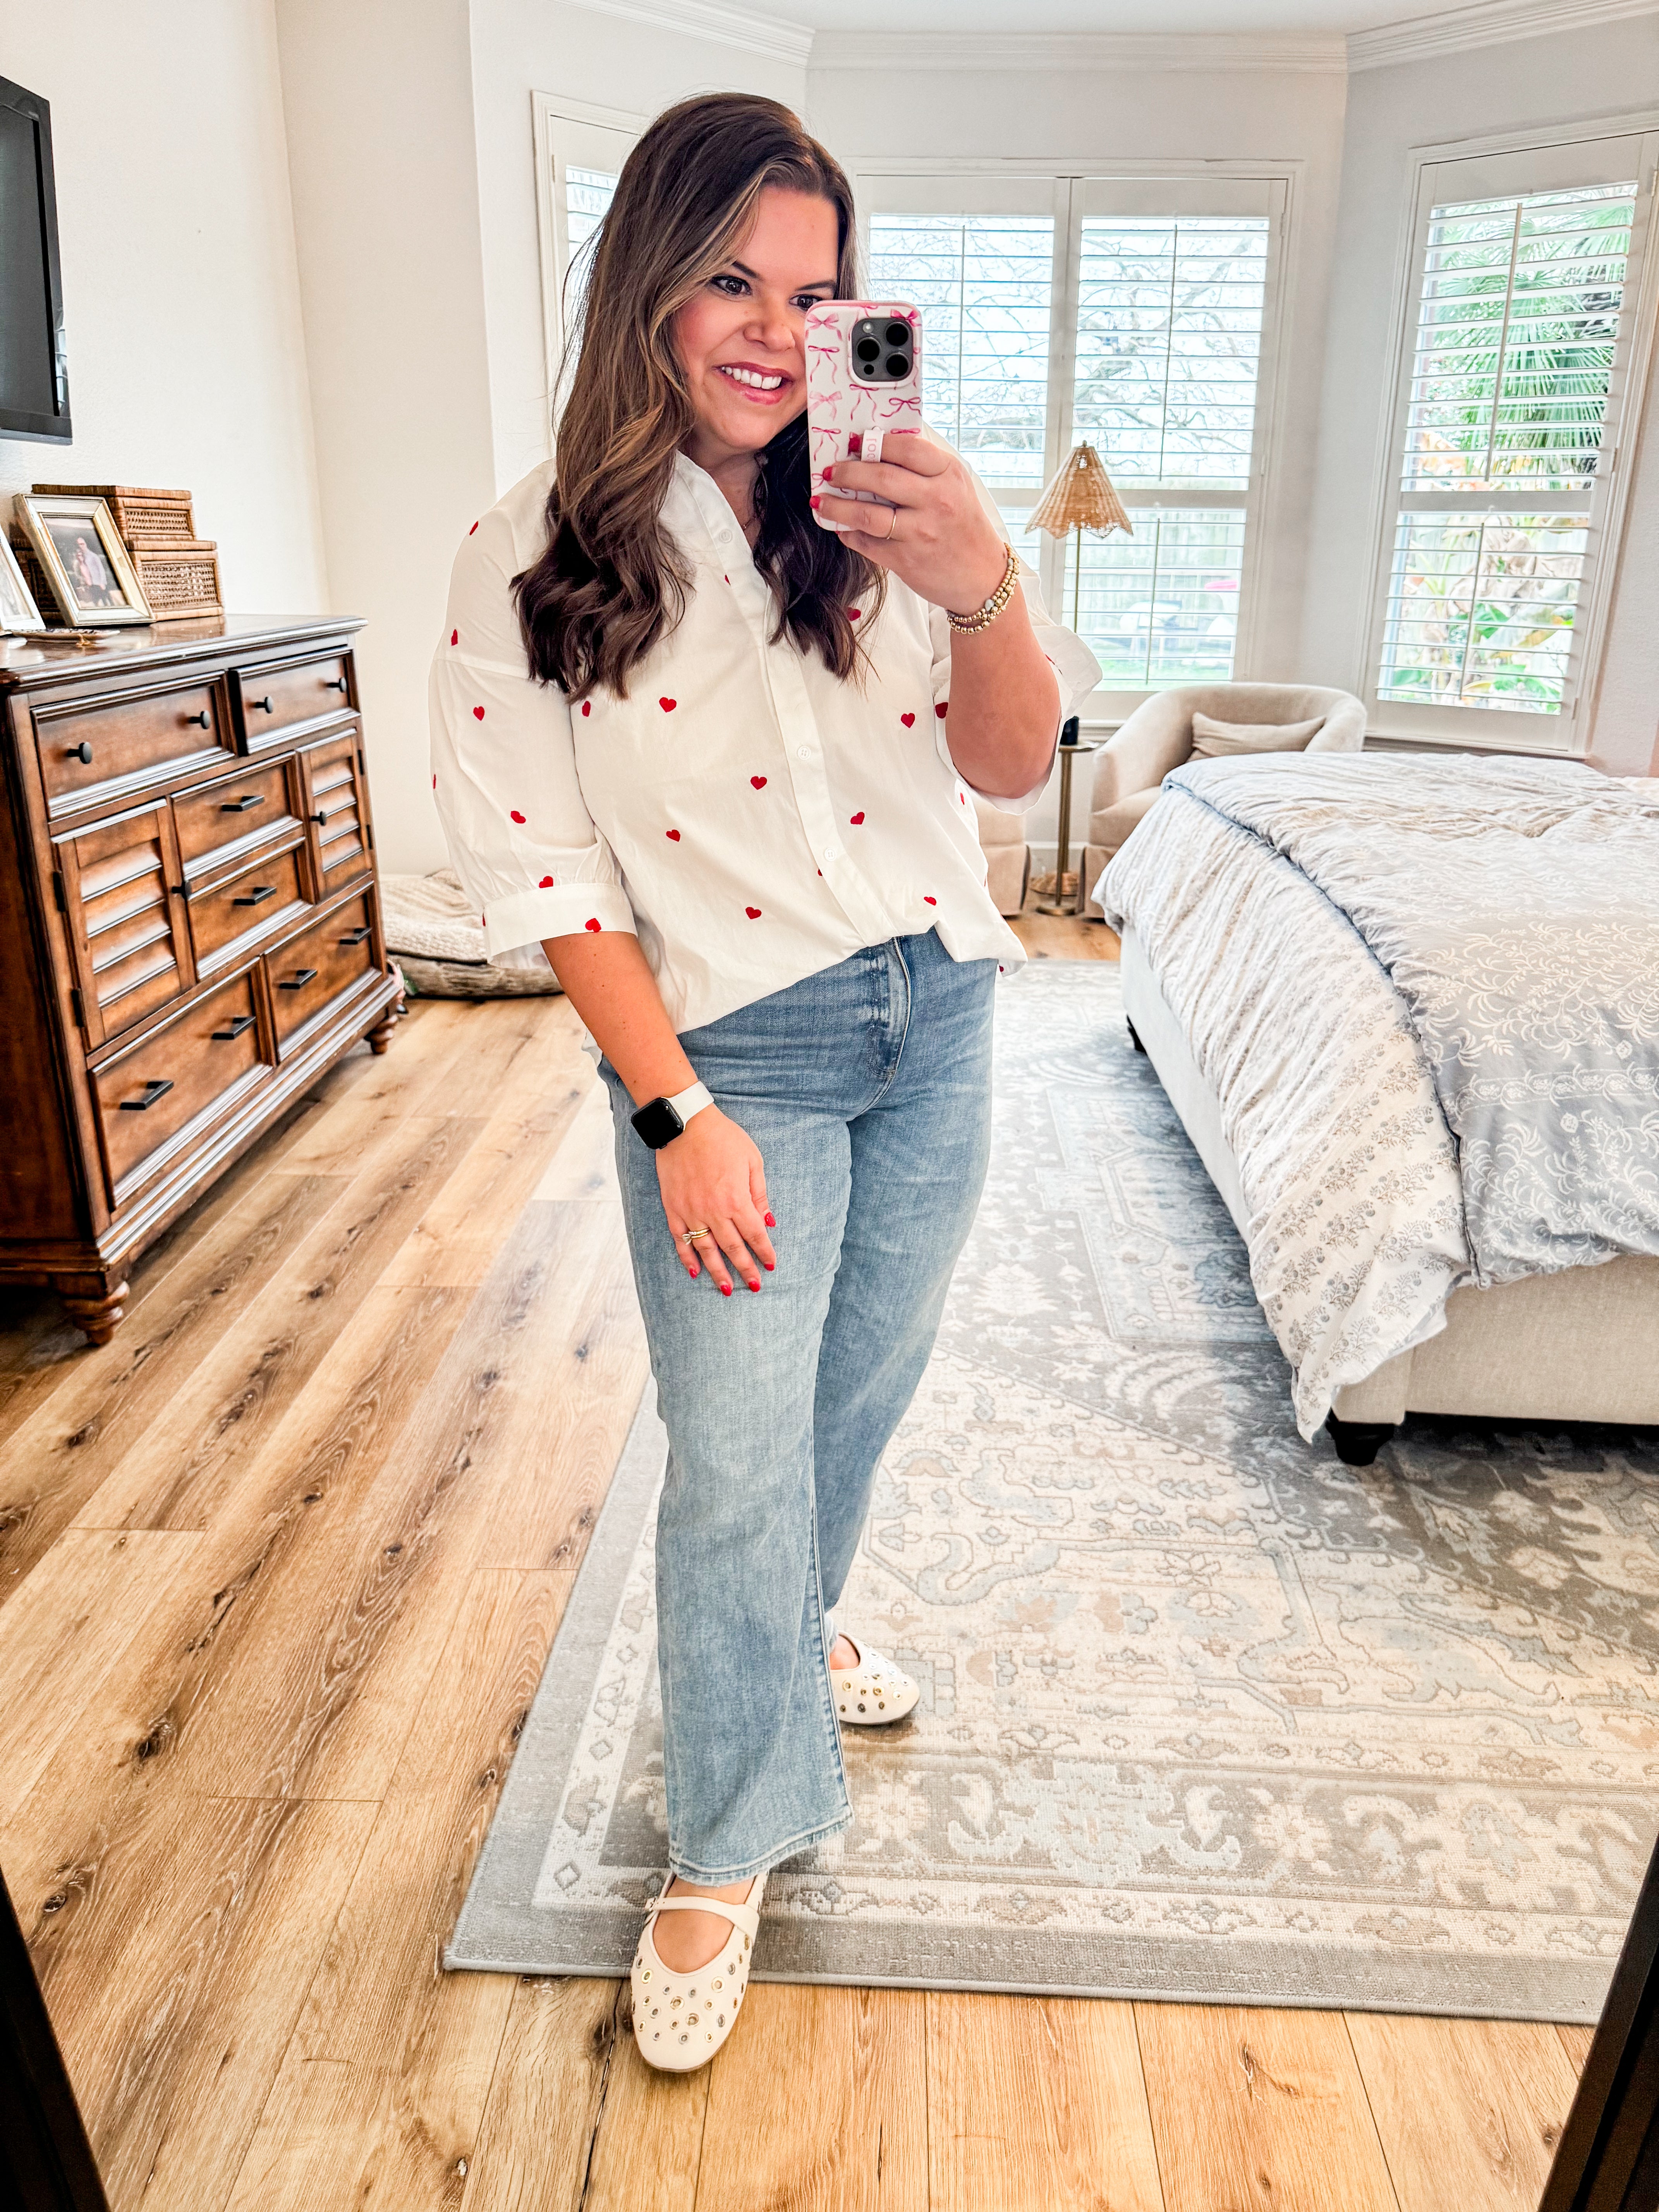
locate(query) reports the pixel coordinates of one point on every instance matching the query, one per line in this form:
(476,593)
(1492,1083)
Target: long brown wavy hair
(611,584)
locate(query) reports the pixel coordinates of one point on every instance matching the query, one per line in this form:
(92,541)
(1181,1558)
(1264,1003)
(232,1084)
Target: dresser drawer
(323,963)
(336,802)
(278,696)
(93,754)
(229,920)
(115,885)
(153,1096)
(214,819)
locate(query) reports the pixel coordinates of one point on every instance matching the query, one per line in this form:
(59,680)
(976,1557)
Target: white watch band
(687,1103)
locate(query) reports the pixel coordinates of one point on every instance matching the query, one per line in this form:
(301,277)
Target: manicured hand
(711,1177)
(943,543)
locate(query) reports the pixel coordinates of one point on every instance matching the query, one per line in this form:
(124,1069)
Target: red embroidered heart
(517,817)
(856,819)
(588,706)
(477,714)
(668,705)
(908,720)
(753,913)
(852,613)
(434,783)
(470,532)
(941,708)
(545,884)
(592,922)
(928,902)
(674,834)
(454,637)
(759,782)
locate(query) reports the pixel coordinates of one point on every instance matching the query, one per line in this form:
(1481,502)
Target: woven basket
(145,519)
(180,581)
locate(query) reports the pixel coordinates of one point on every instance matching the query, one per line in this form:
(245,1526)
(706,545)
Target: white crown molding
(709,18)
(999,51)
(1484,23)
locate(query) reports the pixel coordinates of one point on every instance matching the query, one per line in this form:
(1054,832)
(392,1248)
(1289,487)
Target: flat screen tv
(35,400)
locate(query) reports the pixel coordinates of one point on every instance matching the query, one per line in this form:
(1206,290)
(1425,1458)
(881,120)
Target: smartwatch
(661,1120)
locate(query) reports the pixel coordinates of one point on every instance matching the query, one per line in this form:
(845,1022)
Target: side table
(1067,756)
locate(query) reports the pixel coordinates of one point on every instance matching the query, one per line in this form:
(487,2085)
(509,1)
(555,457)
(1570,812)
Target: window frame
(877,186)
(1433,180)
(558,128)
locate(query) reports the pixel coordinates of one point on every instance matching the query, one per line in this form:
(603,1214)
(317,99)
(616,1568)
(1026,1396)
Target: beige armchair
(1007,855)
(1158,737)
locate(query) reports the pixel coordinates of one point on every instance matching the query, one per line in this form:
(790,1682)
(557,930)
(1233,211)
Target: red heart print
(434,783)
(941,708)
(852,613)
(753,913)
(470,532)
(545,884)
(673,834)
(454,637)
(908,720)
(668,705)
(592,922)
(759,782)
(588,706)
(517,817)
(477,714)
(928,902)
(857,819)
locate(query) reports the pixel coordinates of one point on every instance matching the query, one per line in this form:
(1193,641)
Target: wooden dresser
(189,924)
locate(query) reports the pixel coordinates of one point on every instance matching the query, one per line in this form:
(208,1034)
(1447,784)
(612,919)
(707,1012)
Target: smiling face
(739,340)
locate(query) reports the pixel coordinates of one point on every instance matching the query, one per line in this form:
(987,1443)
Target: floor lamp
(1080,497)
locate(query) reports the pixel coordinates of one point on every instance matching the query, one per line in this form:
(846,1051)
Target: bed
(1407,1010)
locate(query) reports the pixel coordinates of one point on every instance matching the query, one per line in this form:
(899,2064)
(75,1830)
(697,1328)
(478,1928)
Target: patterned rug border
(499,1930)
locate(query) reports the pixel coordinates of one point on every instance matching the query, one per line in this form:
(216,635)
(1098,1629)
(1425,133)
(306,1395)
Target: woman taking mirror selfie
(692,739)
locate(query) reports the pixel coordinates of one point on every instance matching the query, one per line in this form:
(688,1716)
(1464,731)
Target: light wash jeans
(867,1089)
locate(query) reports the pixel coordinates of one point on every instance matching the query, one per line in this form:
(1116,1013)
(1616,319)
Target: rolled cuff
(555,910)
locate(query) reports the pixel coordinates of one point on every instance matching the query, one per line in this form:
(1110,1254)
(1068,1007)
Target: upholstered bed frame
(1581,1346)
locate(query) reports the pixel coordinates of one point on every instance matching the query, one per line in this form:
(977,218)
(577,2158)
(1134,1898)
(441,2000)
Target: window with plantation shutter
(1506,452)
(579,151)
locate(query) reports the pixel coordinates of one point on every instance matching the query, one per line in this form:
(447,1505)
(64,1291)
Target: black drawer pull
(357,936)
(241,805)
(241,1022)
(202,721)
(83,752)
(180,891)
(264,705)
(298,980)
(256,895)
(152,1092)
(317,818)
(334,684)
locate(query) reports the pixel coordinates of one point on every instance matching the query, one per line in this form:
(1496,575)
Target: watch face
(657,1123)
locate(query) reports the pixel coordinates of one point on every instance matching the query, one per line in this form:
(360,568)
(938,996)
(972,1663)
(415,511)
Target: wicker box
(143,518)
(35,577)
(181,582)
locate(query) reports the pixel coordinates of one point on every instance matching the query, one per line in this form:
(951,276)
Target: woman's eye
(733,287)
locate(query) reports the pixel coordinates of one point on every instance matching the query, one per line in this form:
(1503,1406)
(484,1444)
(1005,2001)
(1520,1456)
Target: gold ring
(892,522)
(692,1233)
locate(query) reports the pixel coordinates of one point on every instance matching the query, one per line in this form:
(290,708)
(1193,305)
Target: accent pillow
(1213,741)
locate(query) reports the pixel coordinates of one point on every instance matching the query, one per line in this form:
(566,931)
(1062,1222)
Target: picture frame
(19,616)
(84,559)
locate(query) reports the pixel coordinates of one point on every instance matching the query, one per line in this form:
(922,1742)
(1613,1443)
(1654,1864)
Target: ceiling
(1071,15)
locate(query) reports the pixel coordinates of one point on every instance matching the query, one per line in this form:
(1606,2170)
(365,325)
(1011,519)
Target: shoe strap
(745,1918)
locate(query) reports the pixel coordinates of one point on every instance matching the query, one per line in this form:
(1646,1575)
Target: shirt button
(831,851)
(803,752)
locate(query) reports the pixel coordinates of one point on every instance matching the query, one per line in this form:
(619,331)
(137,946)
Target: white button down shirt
(750,816)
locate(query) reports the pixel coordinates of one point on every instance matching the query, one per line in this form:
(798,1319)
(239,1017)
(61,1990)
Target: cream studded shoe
(680,2020)
(874,1692)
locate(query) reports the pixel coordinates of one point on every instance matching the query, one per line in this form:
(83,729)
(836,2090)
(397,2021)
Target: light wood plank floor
(280,1567)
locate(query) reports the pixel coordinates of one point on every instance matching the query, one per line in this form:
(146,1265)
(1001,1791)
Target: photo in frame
(83,558)
(19,616)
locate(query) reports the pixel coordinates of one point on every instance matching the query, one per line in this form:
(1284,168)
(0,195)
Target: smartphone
(863,383)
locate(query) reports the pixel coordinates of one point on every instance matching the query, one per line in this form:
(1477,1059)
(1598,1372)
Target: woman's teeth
(752,376)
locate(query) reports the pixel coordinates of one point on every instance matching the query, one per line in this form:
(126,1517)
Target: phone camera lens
(897,365)
(867,349)
(899,334)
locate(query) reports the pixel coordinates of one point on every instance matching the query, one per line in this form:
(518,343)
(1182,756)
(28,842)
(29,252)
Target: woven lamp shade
(1080,497)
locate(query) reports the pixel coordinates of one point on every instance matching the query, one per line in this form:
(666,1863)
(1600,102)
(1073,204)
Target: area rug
(1205,1715)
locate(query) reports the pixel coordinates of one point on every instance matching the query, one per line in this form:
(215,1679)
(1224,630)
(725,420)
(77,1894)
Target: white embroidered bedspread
(1355,1212)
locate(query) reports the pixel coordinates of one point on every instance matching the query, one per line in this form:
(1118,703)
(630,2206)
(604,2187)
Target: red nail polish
(771,1223)
(815,502)
(755,1286)
(726,1289)
(767,1265)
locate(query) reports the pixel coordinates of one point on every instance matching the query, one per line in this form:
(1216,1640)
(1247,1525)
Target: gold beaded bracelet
(983,617)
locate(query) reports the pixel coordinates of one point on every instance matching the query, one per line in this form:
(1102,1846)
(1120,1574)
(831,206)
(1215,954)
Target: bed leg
(1134,1034)
(1358,1443)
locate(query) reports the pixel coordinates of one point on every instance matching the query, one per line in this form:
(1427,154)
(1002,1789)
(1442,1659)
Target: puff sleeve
(503,763)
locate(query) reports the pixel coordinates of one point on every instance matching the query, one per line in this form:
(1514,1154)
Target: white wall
(1104,115)
(1589,73)
(186,359)
(523,46)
